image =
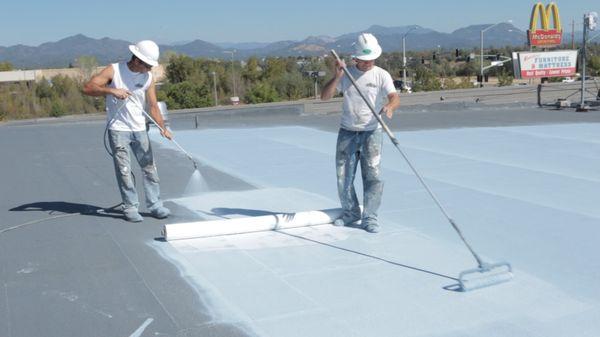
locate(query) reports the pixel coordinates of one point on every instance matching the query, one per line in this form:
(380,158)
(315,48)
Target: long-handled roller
(486,274)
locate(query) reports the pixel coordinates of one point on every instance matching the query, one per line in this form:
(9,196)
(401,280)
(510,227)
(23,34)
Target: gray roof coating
(68,270)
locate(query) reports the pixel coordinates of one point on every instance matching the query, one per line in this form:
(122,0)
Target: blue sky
(34,22)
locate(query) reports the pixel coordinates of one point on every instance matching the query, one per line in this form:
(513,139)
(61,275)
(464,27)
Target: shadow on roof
(70,208)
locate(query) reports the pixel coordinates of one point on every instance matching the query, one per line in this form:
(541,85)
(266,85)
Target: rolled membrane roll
(202,229)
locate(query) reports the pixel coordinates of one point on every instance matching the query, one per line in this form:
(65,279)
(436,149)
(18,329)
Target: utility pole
(232,52)
(404,56)
(573,34)
(214,74)
(582,107)
(481,50)
(590,22)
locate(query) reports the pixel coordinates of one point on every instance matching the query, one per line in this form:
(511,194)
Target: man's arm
(329,89)
(97,85)
(393,104)
(155,111)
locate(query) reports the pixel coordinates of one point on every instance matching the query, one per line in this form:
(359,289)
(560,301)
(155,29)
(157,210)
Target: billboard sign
(561,63)
(545,36)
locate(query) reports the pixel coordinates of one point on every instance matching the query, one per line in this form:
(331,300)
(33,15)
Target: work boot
(345,221)
(371,227)
(132,215)
(160,212)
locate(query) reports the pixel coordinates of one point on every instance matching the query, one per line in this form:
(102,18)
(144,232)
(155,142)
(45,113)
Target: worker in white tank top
(127,115)
(129,88)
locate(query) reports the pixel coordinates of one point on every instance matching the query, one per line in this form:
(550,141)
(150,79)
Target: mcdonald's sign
(544,36)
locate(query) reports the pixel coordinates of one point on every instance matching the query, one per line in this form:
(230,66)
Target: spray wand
(163,130)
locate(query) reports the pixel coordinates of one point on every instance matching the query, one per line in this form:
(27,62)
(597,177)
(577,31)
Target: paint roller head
(485,276)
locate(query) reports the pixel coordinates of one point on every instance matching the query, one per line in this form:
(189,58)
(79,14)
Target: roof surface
(520,181)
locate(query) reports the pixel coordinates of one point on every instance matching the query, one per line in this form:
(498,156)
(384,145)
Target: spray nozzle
(193,162)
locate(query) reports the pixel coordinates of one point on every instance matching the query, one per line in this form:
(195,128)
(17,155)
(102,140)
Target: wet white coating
(528,195)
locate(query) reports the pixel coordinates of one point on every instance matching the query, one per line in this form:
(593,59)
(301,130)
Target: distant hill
(197,48)
(242,45)
(501,35)
(64,52)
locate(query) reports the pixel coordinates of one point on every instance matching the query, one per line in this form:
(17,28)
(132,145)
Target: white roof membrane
(526,194)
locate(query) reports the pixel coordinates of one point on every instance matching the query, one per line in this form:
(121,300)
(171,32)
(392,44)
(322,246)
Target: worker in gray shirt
(360,136)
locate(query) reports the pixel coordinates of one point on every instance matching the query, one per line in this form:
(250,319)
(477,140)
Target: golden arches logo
(538,10)
(545,36)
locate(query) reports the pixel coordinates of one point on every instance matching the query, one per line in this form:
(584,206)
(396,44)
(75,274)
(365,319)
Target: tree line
(200,82)
(192,83)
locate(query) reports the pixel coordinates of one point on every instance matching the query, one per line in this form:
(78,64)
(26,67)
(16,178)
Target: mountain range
(64,52)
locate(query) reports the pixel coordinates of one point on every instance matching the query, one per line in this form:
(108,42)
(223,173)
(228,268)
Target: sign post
(590,21)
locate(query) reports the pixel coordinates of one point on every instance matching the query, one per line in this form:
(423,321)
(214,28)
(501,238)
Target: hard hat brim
(134,50)
(372,56)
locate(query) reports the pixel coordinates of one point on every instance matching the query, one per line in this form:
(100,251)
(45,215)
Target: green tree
(6,66)
(594,65)
(467,69)
(252,71)
(87,65)
(179,69)
(274,68)
(165,57)
(425,80)
(186,95)
(505,79)
(263,92)
(292,86)
(43,89)
(57,109)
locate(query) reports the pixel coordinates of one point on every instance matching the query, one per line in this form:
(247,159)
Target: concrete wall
(17,76)
(75,73)
(516,94)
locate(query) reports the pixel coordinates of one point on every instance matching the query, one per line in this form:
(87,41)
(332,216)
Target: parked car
(401,86)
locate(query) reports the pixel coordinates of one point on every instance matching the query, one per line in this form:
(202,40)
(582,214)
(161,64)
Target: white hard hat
(147,51)
(366,47)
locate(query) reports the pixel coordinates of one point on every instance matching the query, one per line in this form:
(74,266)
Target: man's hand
(121,93)
(339,68)
(393,104)
(388,112)
(166,133)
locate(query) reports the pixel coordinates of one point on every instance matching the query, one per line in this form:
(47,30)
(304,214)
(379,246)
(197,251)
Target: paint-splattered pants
(364,147)
(121,143)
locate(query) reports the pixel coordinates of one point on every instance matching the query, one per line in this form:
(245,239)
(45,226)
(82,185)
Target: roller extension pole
(482,266)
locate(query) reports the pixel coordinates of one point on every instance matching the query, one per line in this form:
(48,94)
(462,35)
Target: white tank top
(125,115)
